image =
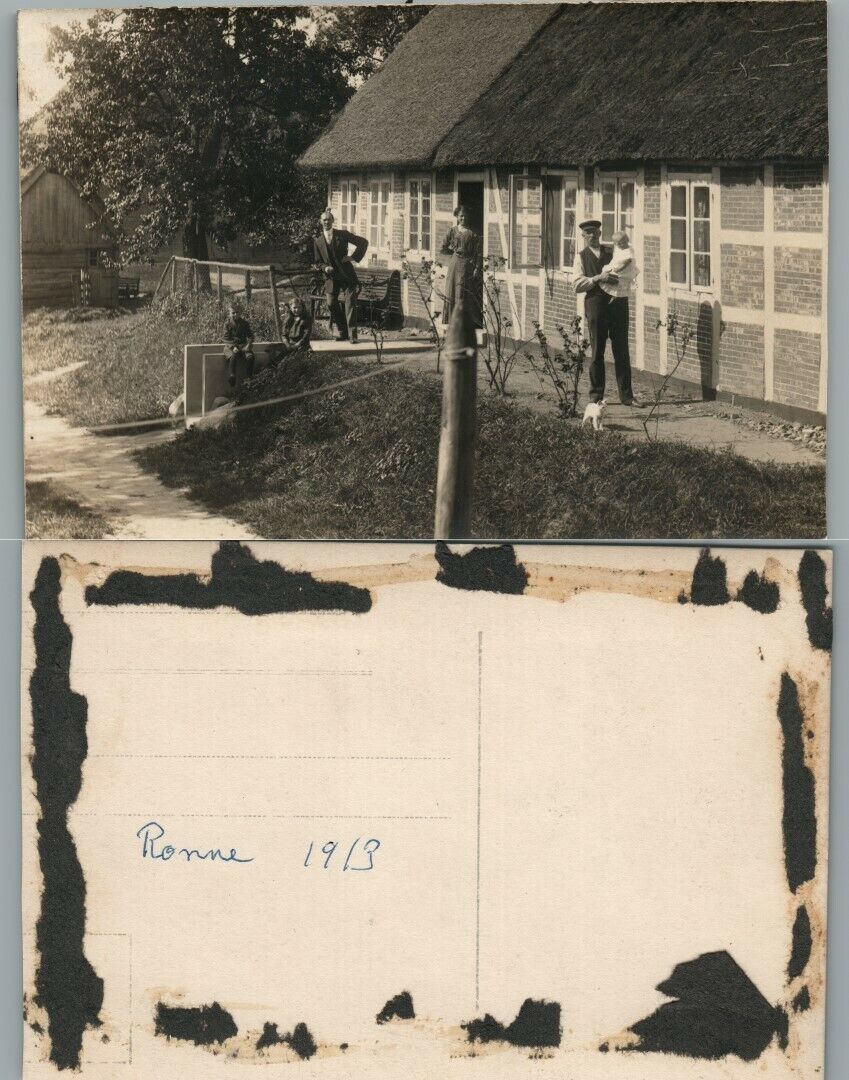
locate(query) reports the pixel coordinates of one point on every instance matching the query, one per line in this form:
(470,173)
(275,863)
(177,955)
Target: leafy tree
(190,120)
(362,37)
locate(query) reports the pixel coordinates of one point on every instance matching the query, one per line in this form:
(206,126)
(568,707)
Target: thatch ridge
(731,80)
(427,85)
(698,81)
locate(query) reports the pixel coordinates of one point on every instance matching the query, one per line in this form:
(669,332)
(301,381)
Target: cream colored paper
(574,790)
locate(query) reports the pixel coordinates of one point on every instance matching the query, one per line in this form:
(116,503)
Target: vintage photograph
(263,827)
(413,271)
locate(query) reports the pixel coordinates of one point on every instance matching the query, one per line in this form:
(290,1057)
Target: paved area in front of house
(682,419)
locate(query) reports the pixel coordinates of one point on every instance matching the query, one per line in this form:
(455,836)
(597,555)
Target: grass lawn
(49,513)
(53,339)
(361,462)
(135,361)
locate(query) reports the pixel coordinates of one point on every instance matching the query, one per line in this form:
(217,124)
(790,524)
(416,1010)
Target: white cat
(595,412)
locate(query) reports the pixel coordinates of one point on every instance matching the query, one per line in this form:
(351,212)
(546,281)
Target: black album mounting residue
(239,581)
(66,985)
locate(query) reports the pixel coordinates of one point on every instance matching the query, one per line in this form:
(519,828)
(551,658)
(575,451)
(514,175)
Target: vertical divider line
(478,846)
(130,1034)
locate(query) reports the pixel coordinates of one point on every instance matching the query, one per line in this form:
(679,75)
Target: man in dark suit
(604,319)
(341,285)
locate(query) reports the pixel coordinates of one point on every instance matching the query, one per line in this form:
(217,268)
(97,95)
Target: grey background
(12,526)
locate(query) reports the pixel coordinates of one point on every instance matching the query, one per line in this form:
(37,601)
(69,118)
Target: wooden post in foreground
(168,266)
(247,286)
(458,430)
(219,283)
(277,321)
(173,276)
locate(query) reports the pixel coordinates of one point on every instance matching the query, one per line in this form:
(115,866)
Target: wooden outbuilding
(68,251)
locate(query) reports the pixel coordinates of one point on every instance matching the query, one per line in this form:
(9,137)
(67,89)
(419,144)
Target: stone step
(367,345)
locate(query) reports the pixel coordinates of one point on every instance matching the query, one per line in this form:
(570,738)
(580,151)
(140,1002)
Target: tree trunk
(195,247)
(195,244)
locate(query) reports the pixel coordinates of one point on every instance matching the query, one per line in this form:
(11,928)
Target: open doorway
(470,195)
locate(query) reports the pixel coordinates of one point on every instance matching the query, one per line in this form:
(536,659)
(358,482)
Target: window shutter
(551,197)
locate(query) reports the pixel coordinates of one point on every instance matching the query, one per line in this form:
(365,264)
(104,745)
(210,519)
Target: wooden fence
(295,280)
(458,429)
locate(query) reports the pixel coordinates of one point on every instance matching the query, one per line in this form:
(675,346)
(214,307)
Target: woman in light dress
(463,278)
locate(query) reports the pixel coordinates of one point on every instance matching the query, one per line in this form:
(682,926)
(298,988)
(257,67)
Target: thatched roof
(427,85)
(593,83)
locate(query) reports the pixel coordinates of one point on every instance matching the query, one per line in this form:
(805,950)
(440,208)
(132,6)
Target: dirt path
(101,472)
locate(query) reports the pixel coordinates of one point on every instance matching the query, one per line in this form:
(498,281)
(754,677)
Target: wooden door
(104,287)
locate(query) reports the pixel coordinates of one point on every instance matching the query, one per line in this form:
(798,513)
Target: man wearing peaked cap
(603,318)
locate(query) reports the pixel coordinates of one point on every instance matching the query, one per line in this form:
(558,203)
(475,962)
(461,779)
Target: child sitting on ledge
(298,326)
(238,333)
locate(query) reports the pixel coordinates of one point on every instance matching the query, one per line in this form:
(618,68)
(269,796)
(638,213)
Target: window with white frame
(569,231)
(525,222)
(618,196)
(348,204)
(689,233)
(419,218)
(560,217)
(380,193)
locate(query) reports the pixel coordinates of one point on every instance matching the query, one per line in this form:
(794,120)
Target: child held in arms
(238,333)
(298,325)
(623,265)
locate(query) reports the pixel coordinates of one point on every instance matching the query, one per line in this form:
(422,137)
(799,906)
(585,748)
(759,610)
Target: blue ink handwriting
(369,847)
(152,832)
